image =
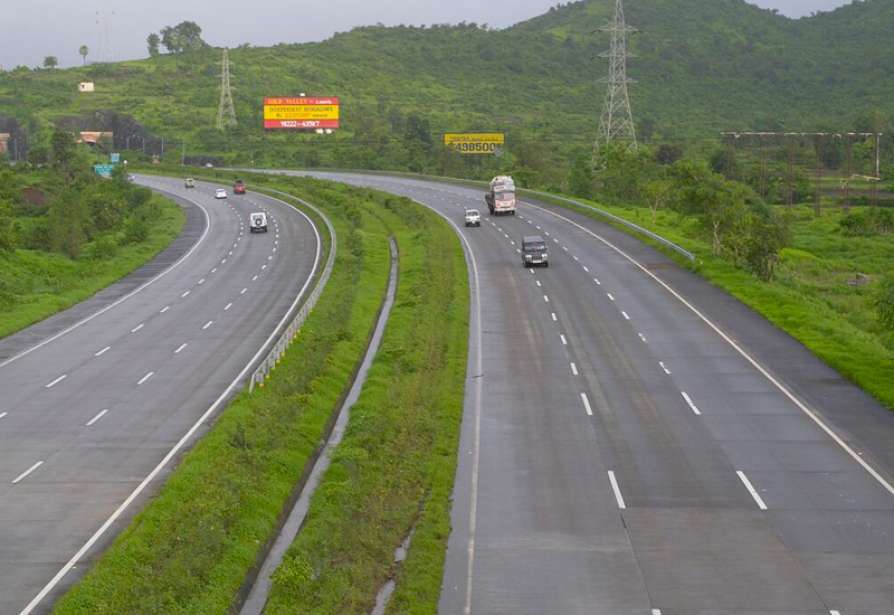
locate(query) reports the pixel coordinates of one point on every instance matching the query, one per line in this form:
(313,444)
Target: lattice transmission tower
(616,123)
(226,111)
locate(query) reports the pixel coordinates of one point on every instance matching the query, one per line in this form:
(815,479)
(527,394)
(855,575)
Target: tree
(62,149)
(185,36)
(50,62)
(657,194)
(152,42)
(580,179)
(66,220)
(84,50)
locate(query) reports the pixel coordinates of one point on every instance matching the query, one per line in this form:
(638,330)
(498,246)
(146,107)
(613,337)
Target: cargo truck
(500,198)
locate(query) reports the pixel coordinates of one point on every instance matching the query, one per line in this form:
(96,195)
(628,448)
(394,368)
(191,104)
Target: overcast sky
(115,29)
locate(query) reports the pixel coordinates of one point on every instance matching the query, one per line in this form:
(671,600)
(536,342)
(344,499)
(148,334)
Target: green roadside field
(35,284)
(196,543)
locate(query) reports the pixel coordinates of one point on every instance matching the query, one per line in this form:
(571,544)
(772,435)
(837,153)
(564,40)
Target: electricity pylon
(616,123)
(226,111)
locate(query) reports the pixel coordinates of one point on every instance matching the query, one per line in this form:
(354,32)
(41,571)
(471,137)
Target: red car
(239,187)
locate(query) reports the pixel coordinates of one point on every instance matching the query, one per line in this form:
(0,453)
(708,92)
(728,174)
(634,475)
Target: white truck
(500,198)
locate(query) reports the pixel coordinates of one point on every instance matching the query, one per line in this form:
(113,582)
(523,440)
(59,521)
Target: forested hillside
(701,67)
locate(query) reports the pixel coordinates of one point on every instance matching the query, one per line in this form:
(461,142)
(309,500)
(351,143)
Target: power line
(226,111)
(616,123)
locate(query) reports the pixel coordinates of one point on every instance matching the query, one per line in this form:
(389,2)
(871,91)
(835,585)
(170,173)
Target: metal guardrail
(631,225)
(268,363)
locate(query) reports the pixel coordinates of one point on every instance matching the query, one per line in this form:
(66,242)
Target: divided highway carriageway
(637,442)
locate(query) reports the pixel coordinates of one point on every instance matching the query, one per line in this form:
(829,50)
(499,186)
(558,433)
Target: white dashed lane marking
(617,490)
(102,352)
(754,494)
(690,403)
(57,381)
(145,378)
(91,422)
(24,474)
(181,348)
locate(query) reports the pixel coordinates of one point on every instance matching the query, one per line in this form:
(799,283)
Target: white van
(257,222)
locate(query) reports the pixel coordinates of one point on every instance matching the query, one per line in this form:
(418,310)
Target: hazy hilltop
(701,66)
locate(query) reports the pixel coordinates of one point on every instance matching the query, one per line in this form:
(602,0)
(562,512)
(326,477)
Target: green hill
(701,67)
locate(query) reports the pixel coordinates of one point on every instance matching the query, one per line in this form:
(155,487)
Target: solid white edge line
(618,497)
(760,368)
(186,437)
(92,421)
(24,474)
(574,369)
(56,381)
(122,299)
(102,352)
(586,400)
(689,401)
(752,490)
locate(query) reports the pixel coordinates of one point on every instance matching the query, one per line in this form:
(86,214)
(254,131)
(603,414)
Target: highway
(635,441)
(96,399)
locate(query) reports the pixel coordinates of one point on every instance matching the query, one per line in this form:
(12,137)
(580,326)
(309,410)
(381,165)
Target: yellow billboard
(475,142)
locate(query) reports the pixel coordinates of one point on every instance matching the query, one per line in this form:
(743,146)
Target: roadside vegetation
(66,234)
(193,547)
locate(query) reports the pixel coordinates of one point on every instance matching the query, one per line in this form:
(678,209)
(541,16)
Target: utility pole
(616,123)
(226,111)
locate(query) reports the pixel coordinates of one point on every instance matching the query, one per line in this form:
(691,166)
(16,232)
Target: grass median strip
(193,546)
(393,472)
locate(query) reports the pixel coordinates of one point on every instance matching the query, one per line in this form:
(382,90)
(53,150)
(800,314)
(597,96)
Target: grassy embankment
(192,548)
(394,470)
(810,297)
(35,284)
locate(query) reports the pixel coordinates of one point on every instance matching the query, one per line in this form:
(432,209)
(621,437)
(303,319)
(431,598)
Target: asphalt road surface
(88,414)
(637,442)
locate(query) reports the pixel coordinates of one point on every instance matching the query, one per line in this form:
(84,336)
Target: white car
(473,217)
(257,222)
(220,193)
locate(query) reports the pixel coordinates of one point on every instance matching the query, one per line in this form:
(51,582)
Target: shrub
(136,230)
(104,248)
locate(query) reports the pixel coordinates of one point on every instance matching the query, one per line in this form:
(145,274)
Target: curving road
(637,442)
(89,411)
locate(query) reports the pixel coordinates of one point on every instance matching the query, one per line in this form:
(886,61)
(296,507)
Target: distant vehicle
(220,193)
(208,165)
(500,198)
(473,217)
(257,222)
(534,251)
(131,178)
(189,183)
(239,187)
